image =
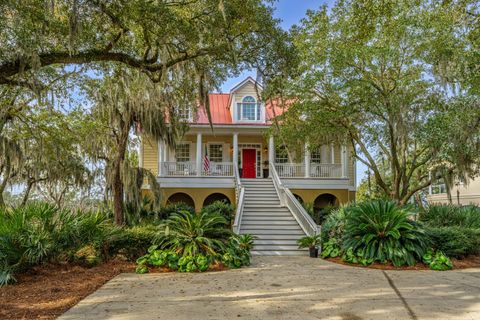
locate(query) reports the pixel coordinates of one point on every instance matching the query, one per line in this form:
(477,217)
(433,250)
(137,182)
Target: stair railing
(287,199)
(239,194)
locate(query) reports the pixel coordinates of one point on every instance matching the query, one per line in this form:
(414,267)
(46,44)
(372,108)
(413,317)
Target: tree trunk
(117,183)
(26,195)
(4,183)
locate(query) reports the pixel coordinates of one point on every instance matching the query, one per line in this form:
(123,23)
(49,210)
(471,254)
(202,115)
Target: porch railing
(317,170)
(181,169)
(178,169)
(291,170)
(325,170)
(288,199)
(222,169)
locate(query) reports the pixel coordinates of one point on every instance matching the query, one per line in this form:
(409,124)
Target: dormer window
(249,109)
(184,113)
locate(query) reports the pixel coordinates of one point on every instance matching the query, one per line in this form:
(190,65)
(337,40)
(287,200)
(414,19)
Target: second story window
(184,113)
(182,152)
(249,109)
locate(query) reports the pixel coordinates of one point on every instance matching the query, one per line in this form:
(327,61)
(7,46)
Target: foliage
(190,234)
(225,209)
(437,260)
(87,256)
(133,241)
(383,231)
(168,210)
(237,251)
(334,225)
(367,78)
(331,248)
(309,241)
(351,256)
(455,242)
(40,232)
(451,215)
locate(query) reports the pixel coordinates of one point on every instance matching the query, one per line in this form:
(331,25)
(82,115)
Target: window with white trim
(184,113)
(281,155)
(316,156)
(249,109)
(215,152)
(182,152)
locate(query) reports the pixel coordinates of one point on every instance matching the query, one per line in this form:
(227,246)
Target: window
(182,152)
(249,109)
(281,155)
(215,152)
(184,113)
(316,156)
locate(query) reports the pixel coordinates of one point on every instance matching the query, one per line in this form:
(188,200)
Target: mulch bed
(468,262)
(47,291)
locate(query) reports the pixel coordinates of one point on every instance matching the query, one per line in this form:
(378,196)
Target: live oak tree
(365,80)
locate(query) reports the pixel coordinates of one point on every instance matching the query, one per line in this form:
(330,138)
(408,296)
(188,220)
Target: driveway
(287,288)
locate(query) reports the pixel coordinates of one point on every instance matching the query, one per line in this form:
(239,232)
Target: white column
(271,150)
(332,153)
(271,153)
(160,155)
(235,149)
(307,160)
(344,161)
(430,186)
(199,154)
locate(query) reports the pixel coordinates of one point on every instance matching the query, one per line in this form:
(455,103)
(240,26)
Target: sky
(291,12)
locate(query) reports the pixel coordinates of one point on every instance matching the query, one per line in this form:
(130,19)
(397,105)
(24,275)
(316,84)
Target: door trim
(258,148)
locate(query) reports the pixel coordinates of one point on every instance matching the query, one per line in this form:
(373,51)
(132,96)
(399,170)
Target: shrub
(223,208)
(331,249)
(455,242)
(450,215)
(40,232)
(190,234)
(309,241)
(437,261)
(173,208)
(351,256)
(383,231)
(133,242)
(334,225)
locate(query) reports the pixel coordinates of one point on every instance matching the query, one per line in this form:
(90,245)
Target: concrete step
(265,211)
(280,253)
(260,232)
(268,218)
(275,247)
(280,242)
(277,237)
(269,223)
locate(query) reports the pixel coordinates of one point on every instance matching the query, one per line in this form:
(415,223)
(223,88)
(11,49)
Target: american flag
(206,161)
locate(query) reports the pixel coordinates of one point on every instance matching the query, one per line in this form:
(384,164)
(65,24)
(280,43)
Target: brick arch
(216,196)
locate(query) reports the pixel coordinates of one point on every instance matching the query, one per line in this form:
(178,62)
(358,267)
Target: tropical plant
(331,248)
(455,242)
(451,215)
(236,252)
(190,234)
(437,261)
(168,210)
(383,231)
(309,241)
(351,256)
(334,225)
(222,207)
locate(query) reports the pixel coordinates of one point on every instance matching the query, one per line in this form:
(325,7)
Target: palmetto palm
(382,230)
(193,233)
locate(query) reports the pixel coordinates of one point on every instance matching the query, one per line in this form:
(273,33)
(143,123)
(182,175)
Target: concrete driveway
(287,288)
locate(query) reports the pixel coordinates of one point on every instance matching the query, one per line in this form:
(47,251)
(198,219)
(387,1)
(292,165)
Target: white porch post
(199,154)
(307,160)
(430,186)
(344,161)
(235,149)
(271,153)
(160,155)
(332,153)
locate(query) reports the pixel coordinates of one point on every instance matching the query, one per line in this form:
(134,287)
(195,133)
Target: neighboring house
(215,165)
(463,194)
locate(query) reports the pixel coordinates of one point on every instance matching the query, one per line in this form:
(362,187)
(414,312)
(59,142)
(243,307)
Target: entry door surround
(258,148)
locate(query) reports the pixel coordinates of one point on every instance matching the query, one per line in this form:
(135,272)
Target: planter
(313,252)
(265,173)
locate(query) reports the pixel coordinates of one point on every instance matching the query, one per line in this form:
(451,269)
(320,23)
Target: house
(462,194)
(238,162)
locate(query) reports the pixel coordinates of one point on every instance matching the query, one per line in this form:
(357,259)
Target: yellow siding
(150,155)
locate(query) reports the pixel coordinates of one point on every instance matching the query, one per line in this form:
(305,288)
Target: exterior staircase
(275,228)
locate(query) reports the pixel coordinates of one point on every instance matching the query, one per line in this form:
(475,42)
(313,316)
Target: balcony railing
(326,170)
(317,170)
(178,169)
(181,169)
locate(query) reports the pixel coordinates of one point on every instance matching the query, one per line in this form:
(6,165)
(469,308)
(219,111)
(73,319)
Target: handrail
(287,199)
(239,193)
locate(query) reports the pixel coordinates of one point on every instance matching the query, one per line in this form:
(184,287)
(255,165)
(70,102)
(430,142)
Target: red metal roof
(220,110)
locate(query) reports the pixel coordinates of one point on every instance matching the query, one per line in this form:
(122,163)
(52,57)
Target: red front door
(248,163)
